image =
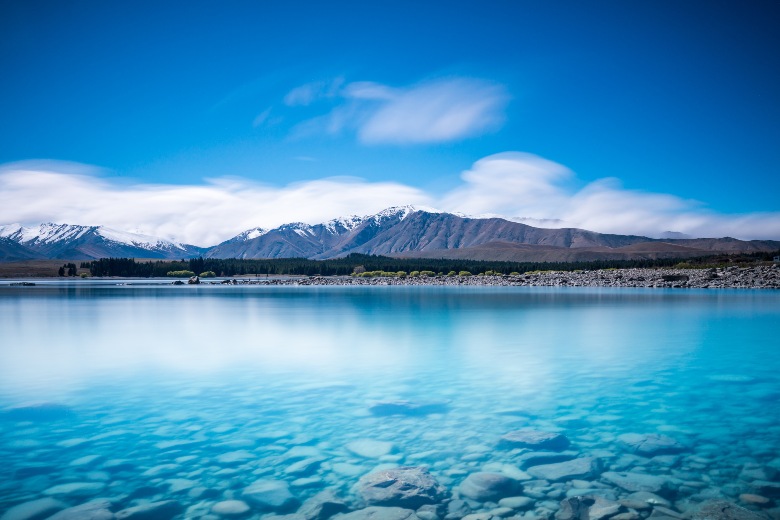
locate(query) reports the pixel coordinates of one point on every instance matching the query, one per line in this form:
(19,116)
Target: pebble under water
(388,403)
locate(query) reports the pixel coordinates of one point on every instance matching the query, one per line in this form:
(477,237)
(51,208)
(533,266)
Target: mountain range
(405,231)
(72,242)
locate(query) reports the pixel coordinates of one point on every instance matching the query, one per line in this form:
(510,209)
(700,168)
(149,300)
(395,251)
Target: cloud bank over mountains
(512,184)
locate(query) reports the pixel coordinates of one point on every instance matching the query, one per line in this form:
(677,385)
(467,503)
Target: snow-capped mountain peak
(137,239)
(47,233)
(401,212)
(344,223)
(77,242)
(249,234)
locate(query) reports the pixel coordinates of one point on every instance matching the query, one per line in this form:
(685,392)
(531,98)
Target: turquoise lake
(174,402)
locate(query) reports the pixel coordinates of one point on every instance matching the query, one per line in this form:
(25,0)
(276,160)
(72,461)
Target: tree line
(129,267)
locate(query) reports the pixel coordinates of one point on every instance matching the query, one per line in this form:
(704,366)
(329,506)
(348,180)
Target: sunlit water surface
(193,393)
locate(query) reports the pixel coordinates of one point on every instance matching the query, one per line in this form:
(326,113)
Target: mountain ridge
(402,231)
(77,242)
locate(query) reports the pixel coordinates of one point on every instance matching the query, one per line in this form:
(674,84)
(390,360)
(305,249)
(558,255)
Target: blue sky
(662,101)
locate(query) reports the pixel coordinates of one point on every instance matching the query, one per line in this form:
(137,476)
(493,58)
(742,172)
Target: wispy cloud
(525,185)
(513,184)
(435,111)
(305,95)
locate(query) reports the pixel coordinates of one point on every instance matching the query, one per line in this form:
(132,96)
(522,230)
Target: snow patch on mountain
(47,233)
(347,223)
(401,212)
(137,240)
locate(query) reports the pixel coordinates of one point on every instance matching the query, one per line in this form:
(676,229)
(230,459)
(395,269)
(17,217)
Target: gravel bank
(762,277)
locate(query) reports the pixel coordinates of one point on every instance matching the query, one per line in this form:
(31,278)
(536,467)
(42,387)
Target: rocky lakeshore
(383,460)
(151,402)
(762,277)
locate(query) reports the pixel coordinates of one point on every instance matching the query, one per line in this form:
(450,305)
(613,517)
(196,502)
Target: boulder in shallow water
(380,513)
(588,507)
(95,510)
(582,468)
(34,510)
(322,506)
(76,489)
(164,510)
(400,407)
(632,482)
(270,495)
(535,440)
(406,487)
(575,508)
(484,486)
(370,449)
(722,510)
(766,488)
(537,458)
(649,444)
(230,508)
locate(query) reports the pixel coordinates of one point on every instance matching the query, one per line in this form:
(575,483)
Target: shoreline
(762,277)
(756,277)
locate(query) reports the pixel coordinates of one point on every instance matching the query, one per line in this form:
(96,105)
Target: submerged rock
(650,444)
(534,439)
(582,468)
(34,510)
(270,495)
(230,508)
(767,489)
(304,467)
(369,448)
(401,487)
(484,486)
(722,510)
(575,508)
(76,489)
(400,407)
(95,510)
(649,498)
(637,482)
(235,458)
(537,458)
(516,502)
(758,500)
(164,510)
(322,506)
(380,513)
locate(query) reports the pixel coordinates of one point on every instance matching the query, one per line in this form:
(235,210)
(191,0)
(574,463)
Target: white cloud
(369,90)
(430,112)
(434,112)
(307,94)
(261,118)
(525,185)
(197,214)
(512,184)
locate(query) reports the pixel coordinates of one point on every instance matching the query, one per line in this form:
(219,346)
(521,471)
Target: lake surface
(188,396)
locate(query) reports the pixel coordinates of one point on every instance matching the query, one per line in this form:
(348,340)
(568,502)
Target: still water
(244,402)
